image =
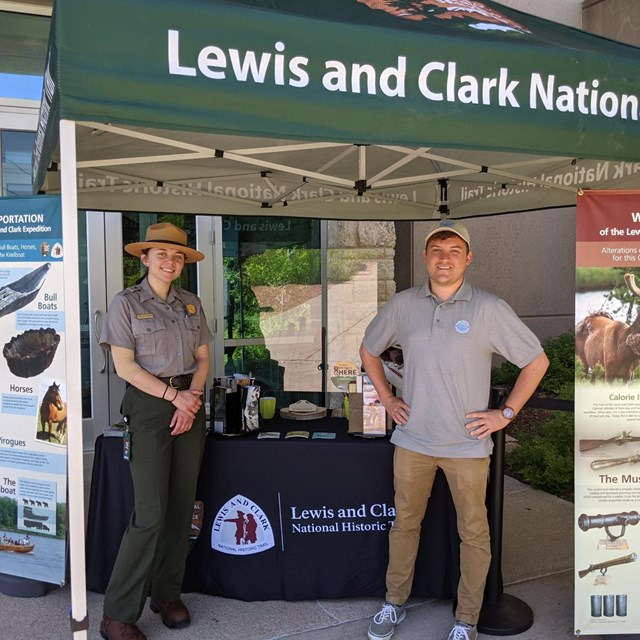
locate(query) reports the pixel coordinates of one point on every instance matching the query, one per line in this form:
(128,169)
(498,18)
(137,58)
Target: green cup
(267,407)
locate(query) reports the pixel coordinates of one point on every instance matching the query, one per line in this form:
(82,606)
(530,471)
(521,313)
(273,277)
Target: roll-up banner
(33,423)
(607,413)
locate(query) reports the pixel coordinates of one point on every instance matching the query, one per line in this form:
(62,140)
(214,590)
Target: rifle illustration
(622,519)
(603,566)
(625,436)
(597,465)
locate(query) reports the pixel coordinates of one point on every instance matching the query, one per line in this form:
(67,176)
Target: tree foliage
(284,265)
(8,513)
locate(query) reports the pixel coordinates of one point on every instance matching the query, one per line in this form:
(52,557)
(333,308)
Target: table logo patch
(241,528)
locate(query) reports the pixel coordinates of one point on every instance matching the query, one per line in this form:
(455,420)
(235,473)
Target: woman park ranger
(159,341)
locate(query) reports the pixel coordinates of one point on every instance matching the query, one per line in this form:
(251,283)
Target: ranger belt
(179,382)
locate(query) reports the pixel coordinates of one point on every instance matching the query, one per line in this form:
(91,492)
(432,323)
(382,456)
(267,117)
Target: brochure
(323,435)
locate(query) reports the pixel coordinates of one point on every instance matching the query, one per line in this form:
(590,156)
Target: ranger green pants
(164,469)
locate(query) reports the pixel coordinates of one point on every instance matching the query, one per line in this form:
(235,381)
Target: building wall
(616,19)
(19,115)
(563,11)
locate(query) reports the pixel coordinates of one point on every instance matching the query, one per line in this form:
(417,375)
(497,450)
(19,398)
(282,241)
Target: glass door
(273,304)
(358,278)
(99,234)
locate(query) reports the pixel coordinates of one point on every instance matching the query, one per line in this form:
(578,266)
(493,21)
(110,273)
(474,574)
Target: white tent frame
(253,158)
(75,509)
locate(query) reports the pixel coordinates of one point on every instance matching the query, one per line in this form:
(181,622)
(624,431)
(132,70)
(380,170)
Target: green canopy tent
(337,109)
(351,109)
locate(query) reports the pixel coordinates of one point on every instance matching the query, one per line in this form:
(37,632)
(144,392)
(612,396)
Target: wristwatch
(508,413)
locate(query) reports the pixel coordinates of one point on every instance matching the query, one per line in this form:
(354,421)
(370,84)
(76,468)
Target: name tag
(144,316)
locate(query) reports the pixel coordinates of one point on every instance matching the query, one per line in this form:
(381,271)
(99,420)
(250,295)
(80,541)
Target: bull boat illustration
(21,292)
(36,524)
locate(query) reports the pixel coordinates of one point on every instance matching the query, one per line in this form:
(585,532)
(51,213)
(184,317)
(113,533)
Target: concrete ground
(537,567)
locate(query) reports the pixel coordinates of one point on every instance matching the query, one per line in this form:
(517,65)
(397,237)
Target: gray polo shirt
(164,335)
(447,349)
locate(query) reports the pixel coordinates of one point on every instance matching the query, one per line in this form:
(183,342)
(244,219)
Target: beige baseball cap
(450,225)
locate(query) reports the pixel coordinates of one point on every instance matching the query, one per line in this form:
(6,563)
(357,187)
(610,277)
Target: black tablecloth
(110,507)
(321,508)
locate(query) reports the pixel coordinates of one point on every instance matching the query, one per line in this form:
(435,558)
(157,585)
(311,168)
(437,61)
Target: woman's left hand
(180,422)
(189,401)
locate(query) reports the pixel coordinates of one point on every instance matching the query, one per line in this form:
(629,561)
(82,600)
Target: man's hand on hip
(484,423)
(397,409)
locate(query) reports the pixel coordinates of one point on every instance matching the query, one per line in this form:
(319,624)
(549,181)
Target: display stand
(501,614)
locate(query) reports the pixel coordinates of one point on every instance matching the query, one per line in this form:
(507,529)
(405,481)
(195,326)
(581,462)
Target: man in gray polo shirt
(448,331)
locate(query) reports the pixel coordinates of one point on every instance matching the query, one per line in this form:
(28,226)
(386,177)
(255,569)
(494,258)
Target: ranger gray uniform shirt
(164,335)
(447,349)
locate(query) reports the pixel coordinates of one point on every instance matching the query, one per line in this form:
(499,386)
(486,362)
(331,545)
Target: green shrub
(560,376)
(544,457)
(544,460)
(505,375)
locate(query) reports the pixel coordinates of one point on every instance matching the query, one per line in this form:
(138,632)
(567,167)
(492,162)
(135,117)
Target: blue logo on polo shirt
(462,326)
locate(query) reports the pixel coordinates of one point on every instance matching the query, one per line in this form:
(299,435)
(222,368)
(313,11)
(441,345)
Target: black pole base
(507,617)
(23,587)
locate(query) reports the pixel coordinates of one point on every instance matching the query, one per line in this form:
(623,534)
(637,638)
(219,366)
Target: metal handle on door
(96,333)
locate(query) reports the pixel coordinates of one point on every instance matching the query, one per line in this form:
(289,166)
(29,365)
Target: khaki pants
(414,474)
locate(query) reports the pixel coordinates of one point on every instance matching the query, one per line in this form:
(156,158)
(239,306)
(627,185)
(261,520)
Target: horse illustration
(53,410)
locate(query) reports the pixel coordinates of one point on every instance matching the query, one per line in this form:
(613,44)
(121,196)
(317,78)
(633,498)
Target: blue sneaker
(384,623)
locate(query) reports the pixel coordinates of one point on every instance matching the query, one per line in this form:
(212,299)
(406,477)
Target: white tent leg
(75,507)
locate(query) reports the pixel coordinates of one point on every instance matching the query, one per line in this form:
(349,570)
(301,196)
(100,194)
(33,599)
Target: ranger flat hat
(165,235)
(450,225)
